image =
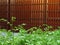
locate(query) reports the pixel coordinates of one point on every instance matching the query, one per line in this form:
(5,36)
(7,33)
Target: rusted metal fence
(31,12)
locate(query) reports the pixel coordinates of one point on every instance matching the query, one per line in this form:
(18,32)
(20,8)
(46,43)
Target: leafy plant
(37,37)
(12,26)
(32,36)
(10,23)
(47,27)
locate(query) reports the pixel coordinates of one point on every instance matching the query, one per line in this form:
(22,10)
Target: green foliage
(32,36)
(37,37)
(10,23)
(6,38)
(47,27)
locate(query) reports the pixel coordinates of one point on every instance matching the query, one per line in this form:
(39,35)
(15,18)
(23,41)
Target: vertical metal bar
(45,3)
(9,13)
(47,10)
(58,12)
(31,11)
(9,8)
(41,9)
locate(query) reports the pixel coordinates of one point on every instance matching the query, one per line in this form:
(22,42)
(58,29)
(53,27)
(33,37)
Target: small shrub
(37,37)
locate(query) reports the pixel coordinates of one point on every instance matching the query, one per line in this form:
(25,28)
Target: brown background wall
(32,12)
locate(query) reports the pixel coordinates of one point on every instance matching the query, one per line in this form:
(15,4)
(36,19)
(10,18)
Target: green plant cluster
(8,22)
(37,37)
(32,36)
